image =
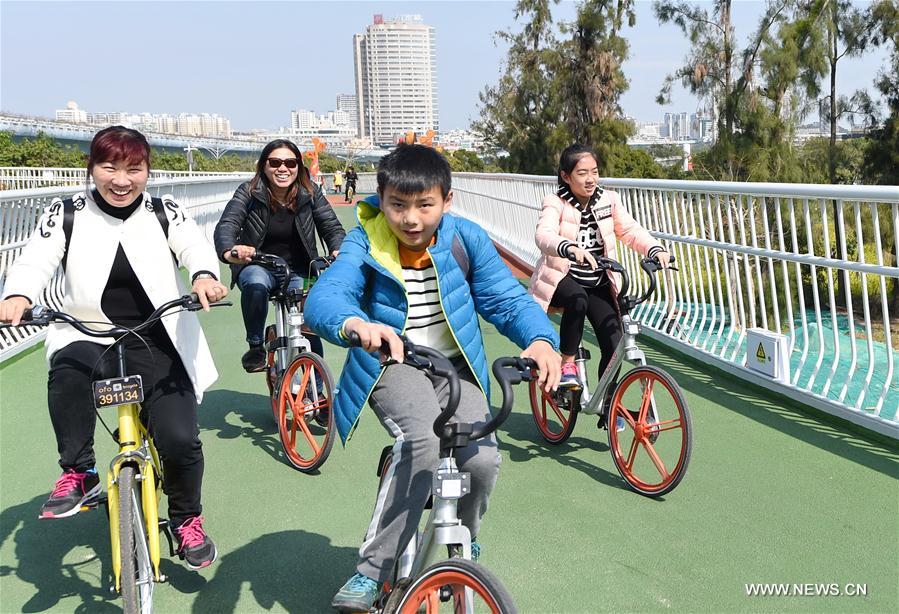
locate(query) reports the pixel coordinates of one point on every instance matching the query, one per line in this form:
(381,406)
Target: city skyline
(195,71)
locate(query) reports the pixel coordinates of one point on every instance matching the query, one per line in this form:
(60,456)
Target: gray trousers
(406,402)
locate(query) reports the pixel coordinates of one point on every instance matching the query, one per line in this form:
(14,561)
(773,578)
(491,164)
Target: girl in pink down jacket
(577,224)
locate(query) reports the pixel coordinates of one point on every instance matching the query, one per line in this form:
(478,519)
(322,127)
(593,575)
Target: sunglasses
(277,162)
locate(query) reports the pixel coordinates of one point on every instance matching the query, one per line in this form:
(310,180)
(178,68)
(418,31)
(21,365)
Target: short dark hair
(411,169)
(116,144)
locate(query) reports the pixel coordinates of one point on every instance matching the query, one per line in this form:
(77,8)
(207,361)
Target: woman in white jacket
(119,268)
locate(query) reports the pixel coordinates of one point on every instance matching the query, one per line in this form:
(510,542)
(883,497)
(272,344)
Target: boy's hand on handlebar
(373,336)
(581,256)
(11,309)
(240,254)
(209,290)
(549,364)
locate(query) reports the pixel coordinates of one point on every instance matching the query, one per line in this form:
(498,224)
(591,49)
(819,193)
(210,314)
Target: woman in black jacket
(277,212)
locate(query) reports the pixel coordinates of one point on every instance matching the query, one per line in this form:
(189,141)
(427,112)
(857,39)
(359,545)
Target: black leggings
(598,305)
(170,409)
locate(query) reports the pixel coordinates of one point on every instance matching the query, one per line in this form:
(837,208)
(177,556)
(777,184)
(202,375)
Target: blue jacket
(366,281)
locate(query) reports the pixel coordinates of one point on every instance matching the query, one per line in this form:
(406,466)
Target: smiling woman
(119,164)
(277,212)
(117,256)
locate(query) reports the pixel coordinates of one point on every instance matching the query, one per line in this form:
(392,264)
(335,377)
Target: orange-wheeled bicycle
(299,382)
(653,434)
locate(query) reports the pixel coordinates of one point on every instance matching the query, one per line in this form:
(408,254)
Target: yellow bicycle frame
(134,441)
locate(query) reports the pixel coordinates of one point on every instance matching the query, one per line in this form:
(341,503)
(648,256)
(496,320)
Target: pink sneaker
(570,378)
(194,545)
(72,491)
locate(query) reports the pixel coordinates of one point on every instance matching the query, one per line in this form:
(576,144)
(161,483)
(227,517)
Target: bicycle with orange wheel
(299,382)
(653,434)
(455,584)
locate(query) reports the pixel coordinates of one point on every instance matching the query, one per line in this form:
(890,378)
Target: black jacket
(245,222)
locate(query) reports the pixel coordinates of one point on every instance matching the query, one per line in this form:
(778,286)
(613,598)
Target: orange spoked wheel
(442,588)
(305,420)
(555,414)
(271,370)
(652,449)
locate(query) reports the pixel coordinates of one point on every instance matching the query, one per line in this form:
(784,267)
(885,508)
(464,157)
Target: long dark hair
(569,158)
(302,174)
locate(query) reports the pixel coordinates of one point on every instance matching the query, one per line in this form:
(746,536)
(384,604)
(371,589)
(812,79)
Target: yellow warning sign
(760,354)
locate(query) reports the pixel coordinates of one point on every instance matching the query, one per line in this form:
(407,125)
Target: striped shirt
(426,324)
(588,238)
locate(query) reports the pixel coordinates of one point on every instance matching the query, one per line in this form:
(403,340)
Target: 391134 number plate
(118,391)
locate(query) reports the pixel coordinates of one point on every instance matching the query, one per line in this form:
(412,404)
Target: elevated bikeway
(776,494)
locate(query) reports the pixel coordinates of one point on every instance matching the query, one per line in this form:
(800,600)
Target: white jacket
(94,242)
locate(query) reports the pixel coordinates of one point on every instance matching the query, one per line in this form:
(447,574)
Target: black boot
(253,359)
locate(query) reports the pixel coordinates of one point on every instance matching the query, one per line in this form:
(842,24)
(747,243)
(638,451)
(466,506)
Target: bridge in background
(83,133)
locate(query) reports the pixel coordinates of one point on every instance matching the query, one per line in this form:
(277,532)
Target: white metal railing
(26,177)
(752,255)
(204,197)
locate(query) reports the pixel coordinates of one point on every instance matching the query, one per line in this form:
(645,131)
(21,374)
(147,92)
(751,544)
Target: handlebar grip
(234,253)
(507,371)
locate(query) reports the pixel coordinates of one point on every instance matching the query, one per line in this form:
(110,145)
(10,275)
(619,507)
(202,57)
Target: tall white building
(396,78)
(348,103)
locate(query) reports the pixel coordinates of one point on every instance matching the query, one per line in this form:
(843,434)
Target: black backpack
(70,205)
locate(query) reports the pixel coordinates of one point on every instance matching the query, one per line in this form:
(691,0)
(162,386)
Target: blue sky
(255,61)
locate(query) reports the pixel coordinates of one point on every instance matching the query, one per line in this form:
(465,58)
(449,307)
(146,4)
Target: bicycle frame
(442,528)
(627,349)
(137,448)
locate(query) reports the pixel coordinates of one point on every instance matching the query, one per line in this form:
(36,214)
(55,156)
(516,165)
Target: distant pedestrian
(338,182)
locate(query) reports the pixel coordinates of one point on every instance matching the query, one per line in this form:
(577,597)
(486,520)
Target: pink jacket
(560,221)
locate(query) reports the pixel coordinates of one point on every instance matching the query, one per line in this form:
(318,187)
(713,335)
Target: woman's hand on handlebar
(373,336)
(11,309)
(549,364)
(240,254)
(209,290)
(581,256)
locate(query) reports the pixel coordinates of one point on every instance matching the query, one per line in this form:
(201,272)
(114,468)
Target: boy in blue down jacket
(400,271)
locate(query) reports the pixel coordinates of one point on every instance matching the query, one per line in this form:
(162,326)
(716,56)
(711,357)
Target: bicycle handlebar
(39,315)
(508,371)
(650,266)
(277,264)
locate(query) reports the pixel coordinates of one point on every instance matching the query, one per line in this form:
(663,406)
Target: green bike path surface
(772,495)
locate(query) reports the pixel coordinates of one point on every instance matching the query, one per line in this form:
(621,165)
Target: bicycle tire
(556,426)
(662,451)
(442,582)
(310,452)
(136,570)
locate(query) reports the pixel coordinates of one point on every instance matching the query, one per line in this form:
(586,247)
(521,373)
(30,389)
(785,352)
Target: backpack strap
(69,207)
(461,256)
(159,210)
